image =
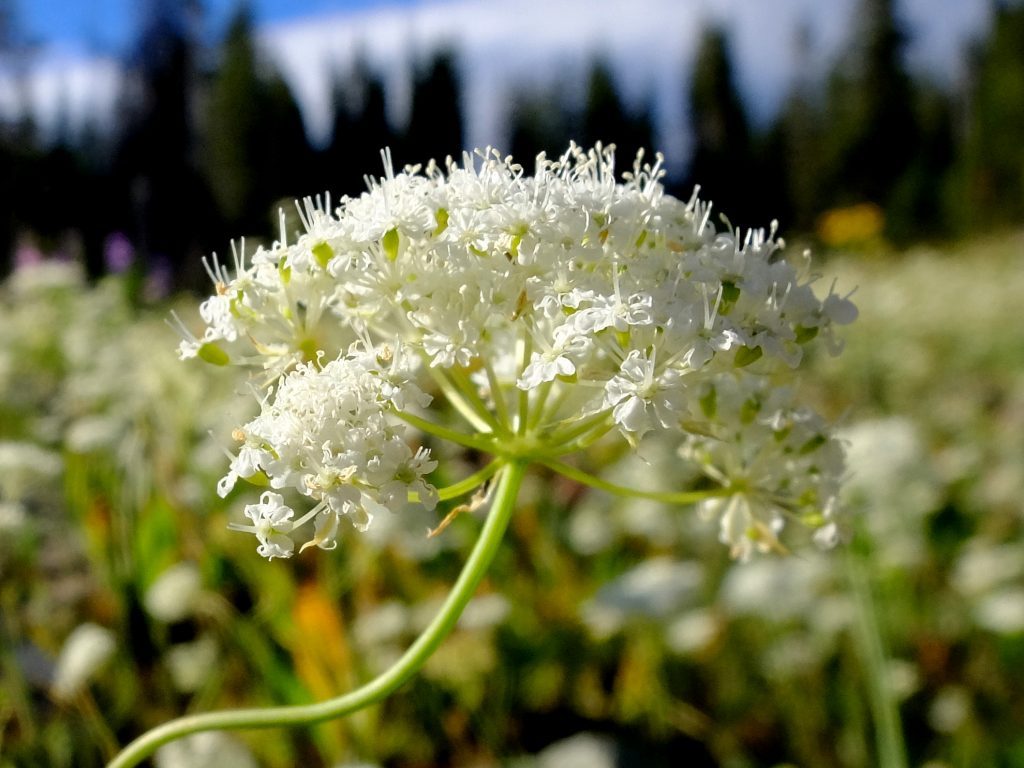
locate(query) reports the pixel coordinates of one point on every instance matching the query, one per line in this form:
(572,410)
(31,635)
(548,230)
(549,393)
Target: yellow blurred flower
(852,226)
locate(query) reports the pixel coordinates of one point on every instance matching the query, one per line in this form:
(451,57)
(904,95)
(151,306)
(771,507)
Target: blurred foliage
(609,628)
(994,156)
(855,226)
(212,135)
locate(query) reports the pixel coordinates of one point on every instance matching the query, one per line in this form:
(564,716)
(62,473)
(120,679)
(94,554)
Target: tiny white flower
(325,533)
(555,361)
(614,312)
(271,522)
(641,398)
(777,462)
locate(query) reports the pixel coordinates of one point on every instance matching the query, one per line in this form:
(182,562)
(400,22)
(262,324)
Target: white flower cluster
(779,461)
(550,308)
(325,435)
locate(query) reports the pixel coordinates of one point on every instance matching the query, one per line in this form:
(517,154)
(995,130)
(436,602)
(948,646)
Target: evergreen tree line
(206,147)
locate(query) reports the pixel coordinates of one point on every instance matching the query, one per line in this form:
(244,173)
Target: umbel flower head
(548,311)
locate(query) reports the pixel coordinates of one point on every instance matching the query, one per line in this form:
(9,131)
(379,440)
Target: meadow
(609,632)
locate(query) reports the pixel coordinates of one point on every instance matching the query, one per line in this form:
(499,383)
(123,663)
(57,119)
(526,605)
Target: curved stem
(375,690)
(668,497)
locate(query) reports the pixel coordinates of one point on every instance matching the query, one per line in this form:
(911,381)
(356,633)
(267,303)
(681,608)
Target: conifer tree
(992,171)
(155,160)
(872,126)
(360,130)
(921,204)
(606,119)
(435,126)
(255,150)
(281,152)
(11,52)
(231,118)
(538,123)
(722,158)
(794,144)
(335,165)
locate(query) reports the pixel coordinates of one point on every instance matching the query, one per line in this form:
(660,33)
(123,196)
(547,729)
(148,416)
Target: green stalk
(461,381)
(540,406)
(867,635)
(457,401)
(465,485)
(476,442)
(577,427)
(498,396)
(523,417)
(381,686)
(667,497)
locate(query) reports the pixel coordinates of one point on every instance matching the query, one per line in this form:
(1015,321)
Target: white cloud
(73,90)
(650,45)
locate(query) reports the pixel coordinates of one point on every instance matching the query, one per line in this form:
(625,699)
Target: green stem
(668,497)
(540,406)
(587,439)
(566,433)
(552,407)
(867,635)
(498,396)
(375,690)
(469,392)
(465,485)
(457,401)
(445,433)
(104,736)
(522,419)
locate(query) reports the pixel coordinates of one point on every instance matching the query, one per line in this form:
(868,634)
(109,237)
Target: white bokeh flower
(175,593)
(211,749)
(87,649)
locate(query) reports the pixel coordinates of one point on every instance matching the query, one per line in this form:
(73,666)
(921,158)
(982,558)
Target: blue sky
(108,26)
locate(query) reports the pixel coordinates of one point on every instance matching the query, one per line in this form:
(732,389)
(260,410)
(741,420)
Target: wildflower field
(607,631)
